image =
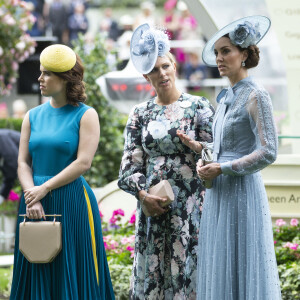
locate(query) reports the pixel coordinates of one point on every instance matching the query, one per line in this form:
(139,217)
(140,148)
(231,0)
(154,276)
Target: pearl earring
(243,64)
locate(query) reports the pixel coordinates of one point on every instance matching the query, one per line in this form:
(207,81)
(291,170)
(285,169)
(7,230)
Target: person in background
(187,30)
(19,108)
(146,16)
(39,10)
(170,20)
(108,26)
(9,149)
(194,70)
(58,141)
(77,23)
(236,258)
(166,242)
(123,41)
(57,20)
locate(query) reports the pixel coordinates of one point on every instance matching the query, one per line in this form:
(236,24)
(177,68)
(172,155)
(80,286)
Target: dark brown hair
(75,85)
(253,54)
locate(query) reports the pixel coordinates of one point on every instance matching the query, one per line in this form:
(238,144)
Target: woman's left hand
(209,171)
(35,194)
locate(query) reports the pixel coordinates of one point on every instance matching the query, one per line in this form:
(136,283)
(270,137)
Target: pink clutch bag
(163,189)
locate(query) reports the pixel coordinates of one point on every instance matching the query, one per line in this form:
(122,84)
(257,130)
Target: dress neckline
(244,80)
(161,105)
(57,108)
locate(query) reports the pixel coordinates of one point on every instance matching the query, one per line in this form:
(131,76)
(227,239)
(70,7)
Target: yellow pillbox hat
(58,58)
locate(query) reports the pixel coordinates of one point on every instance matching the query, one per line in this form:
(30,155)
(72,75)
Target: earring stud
(243,64)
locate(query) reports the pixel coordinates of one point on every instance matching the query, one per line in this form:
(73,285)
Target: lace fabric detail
(249,129)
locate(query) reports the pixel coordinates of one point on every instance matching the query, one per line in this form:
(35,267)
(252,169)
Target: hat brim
(144,63)
(208,55)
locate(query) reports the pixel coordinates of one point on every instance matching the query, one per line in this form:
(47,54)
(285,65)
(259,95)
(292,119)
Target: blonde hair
(171,57)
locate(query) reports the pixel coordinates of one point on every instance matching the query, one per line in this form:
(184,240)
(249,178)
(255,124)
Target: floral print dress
(165,257)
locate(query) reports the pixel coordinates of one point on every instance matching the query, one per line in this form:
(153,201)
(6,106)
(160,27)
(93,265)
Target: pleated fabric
(80,270)
(236,258)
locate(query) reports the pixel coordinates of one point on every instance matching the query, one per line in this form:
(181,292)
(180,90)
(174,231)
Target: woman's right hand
(192,144)
(153,204)
(36,211)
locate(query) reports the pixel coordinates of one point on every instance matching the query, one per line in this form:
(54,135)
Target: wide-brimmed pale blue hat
(243,32)
(146,45)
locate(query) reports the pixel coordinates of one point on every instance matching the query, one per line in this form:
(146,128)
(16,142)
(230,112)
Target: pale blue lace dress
(236,259)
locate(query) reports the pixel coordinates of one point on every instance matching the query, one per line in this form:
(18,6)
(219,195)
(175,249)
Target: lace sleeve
(132,170)
(262,123)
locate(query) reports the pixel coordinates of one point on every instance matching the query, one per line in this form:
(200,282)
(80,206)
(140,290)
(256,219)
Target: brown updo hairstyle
(75,85)
(253,55)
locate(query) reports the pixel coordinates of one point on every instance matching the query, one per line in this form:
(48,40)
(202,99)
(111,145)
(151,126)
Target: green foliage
(287,249)
(118,236)
(15,44)
(290,280)
(106,164)
(287,252)
(9,208)
(10,123)
(286,233)
(5,282)
(287,241)
(120,276)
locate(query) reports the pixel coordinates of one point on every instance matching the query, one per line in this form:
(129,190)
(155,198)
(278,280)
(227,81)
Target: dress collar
(239,83)
(231,91)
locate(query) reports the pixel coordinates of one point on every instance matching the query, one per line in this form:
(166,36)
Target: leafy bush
(106,163)
(120,276)
(284,232)
(15,44)
(118,239)
(287,249)
(290,280)
(14,124)
(5,282)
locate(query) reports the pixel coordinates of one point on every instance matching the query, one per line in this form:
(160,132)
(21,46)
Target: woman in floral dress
(165,256)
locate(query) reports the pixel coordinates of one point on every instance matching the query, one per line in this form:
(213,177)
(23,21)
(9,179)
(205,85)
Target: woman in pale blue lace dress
(236,259)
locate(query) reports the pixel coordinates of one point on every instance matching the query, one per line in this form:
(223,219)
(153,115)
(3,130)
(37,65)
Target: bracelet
(144,197)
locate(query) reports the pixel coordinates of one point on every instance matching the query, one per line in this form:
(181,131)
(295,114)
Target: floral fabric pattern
(165,256)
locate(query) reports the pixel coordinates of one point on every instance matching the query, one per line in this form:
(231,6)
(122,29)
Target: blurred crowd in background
(66,19)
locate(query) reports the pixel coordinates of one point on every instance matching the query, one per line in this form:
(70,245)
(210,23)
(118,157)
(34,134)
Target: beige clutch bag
(162,189)
(40,241)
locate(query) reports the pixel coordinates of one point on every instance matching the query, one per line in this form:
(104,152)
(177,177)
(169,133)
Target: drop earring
(243,64)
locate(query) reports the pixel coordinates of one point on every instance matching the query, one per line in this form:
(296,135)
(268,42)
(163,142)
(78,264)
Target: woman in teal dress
(58,142)
(165,254)
(236,257)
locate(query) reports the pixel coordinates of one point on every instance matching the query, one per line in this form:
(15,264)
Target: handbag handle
(55,215)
